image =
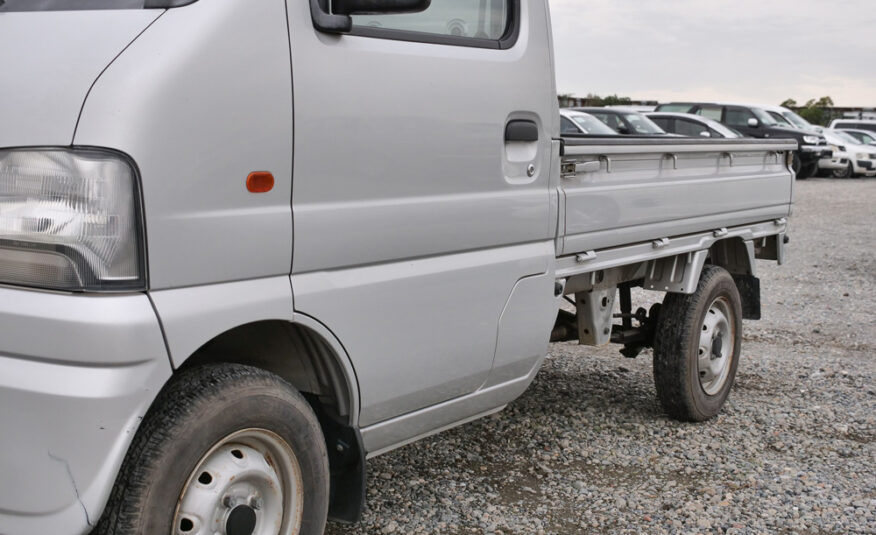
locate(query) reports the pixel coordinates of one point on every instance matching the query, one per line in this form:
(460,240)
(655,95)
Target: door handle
(521,130)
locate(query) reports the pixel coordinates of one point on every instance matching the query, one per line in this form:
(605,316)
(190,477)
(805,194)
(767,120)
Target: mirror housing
(338,19)
(705,134)
(753,123)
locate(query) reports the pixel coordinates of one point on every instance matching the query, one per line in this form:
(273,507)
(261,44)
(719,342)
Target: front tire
(228,449)
(696,347)
(848,172)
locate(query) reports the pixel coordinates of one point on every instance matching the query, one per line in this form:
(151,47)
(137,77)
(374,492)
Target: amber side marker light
(260,182)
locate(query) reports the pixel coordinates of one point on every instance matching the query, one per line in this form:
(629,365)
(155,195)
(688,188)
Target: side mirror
(705,134)
(621,129)
(338,20)
(754,123)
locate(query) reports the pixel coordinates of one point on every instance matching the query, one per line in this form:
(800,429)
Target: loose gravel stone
(587,448)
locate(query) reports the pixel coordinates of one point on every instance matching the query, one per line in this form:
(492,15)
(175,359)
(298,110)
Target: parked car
(754,121)
(578,122)
(690,125)
(851,157)
(857,124)
(625,121)
(866,137)
(186,347)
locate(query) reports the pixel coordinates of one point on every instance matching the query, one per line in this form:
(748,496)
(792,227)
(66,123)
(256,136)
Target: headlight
(862,156)
(811,140)
(69,220)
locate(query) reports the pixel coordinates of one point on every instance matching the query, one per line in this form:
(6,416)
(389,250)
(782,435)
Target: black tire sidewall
(722,286)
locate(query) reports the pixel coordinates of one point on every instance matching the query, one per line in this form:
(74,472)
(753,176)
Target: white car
(578,122)
(690,125)
(858,124)
(864,136)
(785,116)
(850,156)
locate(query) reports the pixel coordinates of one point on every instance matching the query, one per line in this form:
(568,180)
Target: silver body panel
(405,211)
(642,191)
(77,374)
(49,61)
(207,115)
(403,231)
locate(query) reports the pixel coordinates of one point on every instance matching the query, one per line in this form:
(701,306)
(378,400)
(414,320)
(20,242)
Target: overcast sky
(760,51)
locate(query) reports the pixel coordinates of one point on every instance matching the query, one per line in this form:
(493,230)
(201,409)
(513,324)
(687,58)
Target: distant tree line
(814,111)
(568,99)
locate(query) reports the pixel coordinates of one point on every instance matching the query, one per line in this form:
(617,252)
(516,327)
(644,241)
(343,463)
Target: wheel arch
(307,359)
(735,255)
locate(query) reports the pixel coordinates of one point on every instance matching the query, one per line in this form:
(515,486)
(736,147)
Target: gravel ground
(588,450)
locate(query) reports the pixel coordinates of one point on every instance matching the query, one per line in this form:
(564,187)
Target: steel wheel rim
(716,346)
(843,173)
(253,486)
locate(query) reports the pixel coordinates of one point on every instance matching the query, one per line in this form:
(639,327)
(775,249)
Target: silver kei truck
(244,246)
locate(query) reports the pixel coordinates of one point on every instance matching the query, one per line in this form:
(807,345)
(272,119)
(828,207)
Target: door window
(486,23)
(738,117)
(690,128)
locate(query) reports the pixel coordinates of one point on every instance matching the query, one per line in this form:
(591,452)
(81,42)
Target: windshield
(796,120)
(68,5)
(780,119)
(642,125)
(723,130)
(847,138)
(764,117)
(592,125)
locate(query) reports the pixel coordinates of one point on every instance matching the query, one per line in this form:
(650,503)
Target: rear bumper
(77,374)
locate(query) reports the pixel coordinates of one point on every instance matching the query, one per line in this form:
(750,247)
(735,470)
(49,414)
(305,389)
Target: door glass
(663,123)
(477,19)
(690,128)
(738,117)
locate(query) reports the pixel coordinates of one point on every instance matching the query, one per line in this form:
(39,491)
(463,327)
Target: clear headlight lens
(69,220)
(812,140)
(862,156)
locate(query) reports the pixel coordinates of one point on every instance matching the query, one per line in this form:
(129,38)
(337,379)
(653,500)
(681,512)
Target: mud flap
(749,291)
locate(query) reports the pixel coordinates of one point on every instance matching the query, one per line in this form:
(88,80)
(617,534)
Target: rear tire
(696,347)
(224,448)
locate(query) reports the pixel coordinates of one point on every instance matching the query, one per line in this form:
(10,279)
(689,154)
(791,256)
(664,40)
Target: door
(420,190)
(737,118)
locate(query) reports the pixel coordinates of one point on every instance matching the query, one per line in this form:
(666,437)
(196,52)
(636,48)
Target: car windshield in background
(592,125)
(847,138)
(68,5)
(796,120)
(723,130)
(780,119)
(764,117)
(677,108)
(642,125)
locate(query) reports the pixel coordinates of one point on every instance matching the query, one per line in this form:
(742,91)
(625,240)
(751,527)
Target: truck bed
(623,191)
